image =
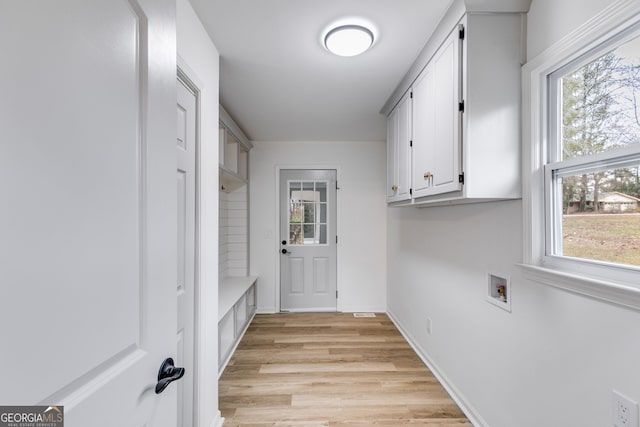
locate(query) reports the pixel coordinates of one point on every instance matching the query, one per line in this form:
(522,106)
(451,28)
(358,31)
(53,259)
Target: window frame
(609,282)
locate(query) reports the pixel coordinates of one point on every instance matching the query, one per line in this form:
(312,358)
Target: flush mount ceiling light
(348,40)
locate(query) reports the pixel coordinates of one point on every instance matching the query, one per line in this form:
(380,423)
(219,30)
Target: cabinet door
(436,123)
(398,148)
(392,155)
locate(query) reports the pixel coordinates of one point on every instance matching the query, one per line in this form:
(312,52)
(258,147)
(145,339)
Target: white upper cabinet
(436,121)
(234,149)
(465,115)
(399,151)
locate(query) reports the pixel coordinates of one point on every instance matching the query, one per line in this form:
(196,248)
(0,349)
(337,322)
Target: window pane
(296,212)
(599,103)
(322,238)
(308,192)
(321,189)
(294,190)
(323,212)
(309,212)
(295,235)
(600,214)
(309,234)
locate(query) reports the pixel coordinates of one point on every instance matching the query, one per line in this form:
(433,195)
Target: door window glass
(307,212)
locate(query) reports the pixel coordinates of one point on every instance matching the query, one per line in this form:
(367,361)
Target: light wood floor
(310,370)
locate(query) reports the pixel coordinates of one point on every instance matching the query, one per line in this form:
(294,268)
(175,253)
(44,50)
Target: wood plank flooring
(331,369)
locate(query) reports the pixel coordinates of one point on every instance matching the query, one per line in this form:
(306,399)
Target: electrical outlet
(625,411)
(428,325)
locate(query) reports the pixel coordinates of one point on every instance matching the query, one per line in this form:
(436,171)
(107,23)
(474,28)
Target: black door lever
(167,374)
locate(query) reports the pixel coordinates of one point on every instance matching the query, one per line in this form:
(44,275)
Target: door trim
(276,241)
(189,79)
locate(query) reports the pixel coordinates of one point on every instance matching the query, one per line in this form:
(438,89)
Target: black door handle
(167,374)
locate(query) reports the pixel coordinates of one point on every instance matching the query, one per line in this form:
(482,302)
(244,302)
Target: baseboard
(218,421)
(266,310)
(456,395)
(355,309)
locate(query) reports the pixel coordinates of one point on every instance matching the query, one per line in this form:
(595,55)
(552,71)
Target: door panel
(88,221)
(185,285)
(308,232)
(321,272)
(296,276)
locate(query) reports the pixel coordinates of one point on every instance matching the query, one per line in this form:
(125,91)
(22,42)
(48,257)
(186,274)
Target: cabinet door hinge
(461,106)
(461,178)
(461,31)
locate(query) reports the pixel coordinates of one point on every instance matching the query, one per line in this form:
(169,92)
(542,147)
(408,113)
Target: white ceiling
(279,83)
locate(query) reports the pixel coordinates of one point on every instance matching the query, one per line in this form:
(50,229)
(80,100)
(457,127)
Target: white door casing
(308,253)
(88,219)
(185,285)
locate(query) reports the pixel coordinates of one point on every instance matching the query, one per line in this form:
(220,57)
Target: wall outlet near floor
(428,325)
(624,411)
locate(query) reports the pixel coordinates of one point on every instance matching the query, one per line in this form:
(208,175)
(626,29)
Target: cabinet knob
(427,175)
(394,188)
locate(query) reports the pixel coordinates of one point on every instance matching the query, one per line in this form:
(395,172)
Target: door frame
(276,241)
(188,77)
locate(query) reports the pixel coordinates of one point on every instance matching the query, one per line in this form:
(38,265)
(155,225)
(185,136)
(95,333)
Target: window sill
(623,295)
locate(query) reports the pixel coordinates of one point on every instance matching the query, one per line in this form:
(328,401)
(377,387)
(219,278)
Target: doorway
(308,240)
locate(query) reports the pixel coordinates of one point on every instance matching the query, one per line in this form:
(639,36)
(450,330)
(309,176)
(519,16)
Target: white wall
(361,217)
(550,20)
(555,359)
(199,58)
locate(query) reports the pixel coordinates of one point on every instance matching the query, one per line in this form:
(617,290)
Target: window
(593,167)
(307,212)
(581,176)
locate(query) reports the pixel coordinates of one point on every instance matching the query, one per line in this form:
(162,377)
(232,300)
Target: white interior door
(308,240)
(88,216)
(186,181)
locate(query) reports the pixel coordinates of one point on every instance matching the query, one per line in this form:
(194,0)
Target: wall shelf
(229,180)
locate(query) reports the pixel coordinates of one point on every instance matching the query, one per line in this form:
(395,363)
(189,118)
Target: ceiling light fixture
(348,40)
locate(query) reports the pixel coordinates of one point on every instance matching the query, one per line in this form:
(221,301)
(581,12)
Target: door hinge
(410,143)
(461,31)
(336,294)
(411,95)
(461,178)
(461,106)
(337,188)
(411,191)
(336,240)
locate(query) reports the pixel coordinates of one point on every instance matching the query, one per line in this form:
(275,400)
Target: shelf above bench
(229,180)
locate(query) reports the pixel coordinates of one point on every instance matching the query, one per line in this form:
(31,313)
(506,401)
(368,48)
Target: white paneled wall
(234,233)
(223,241)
